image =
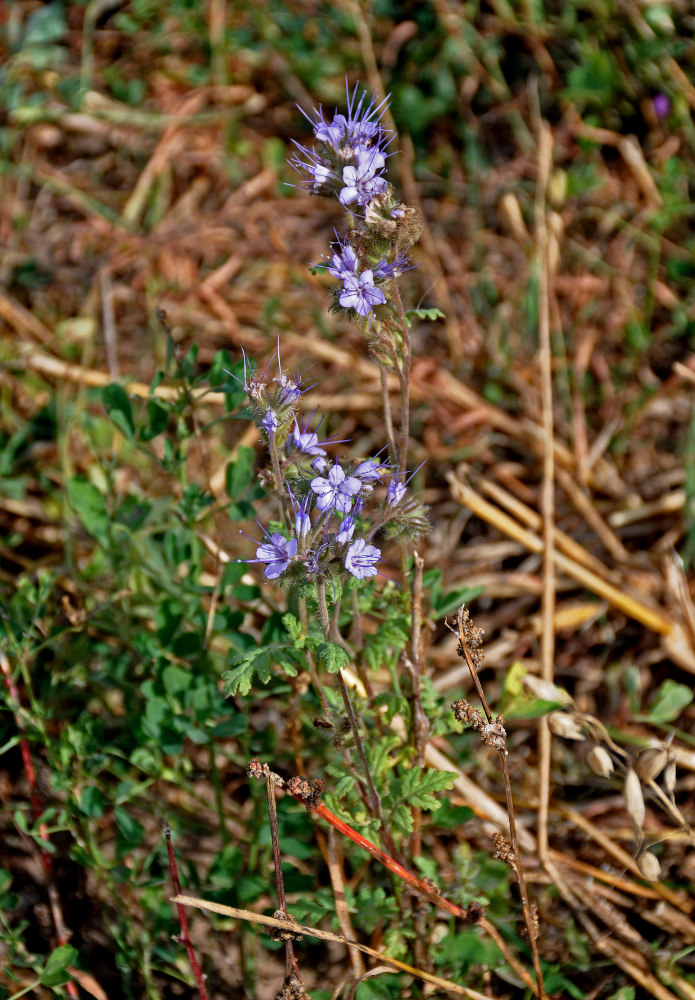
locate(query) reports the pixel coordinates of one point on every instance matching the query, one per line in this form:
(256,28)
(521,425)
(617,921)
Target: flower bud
(600,762)
(634,799)
(649,866)
(565,725)
(650,762)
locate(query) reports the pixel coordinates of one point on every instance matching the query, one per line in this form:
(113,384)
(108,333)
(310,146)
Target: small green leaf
(157,420)
(130,829)
(294,629)
(90,506)
(92,802)
(55,970)
(117,405)
(429,314)
(332,656)
(671,699)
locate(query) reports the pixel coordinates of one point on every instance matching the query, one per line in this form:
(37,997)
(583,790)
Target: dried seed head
(650,762)
(649,866)
(565,725)
(464,712)
(470,637)
(292,989)
(600,762)
(282,933)
(493,734)
(503,850)
(257,770)
(545,690)
(634,799)
(670,776)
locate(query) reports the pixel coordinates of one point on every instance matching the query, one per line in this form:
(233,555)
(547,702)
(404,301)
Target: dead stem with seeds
(493,734)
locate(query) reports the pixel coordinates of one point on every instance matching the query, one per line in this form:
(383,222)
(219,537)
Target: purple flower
(277,552)
(290,389)
(395,493)
(361,127)
(343,264)
(321,174)
(385,271)
(370,470)
(361,559)
(363,181)
(661,105)
(319,465)
(360,294)
(306,441)
(270,422)
(346,531)
(336,491)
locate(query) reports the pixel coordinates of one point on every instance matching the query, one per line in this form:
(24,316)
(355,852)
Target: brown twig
(287,925)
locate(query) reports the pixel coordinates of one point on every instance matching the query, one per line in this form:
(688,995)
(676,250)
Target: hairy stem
(404,377)
(388,419)
(375,806)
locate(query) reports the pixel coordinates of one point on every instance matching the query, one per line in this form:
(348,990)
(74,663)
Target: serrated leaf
(418,785)
(294,629)
(430,314)
(345,785)
(245,666)
(332,656)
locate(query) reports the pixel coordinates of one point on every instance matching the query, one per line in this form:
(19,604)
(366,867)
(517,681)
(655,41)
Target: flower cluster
(333,511)
(349,162)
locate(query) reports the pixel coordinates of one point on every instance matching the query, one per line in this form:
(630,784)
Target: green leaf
(671,699)
(45,25)
(90,506)
(117,405)
(92,802)
(157,420)
(240,473)
(295,630)
(519,703)
(245,666)
(448,603)
(130,829)
(345,785)
(55,970)
(332,656)
(418,784)
(429,314)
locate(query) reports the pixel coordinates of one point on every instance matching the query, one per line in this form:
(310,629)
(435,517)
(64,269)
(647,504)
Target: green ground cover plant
(340,347)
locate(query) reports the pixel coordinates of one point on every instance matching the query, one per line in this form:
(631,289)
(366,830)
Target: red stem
(37,809)
(183,919)
(393,866)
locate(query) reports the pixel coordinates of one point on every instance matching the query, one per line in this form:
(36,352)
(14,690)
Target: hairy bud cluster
(348,162)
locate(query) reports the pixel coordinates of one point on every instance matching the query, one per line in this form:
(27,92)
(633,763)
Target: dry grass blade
(257,918)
